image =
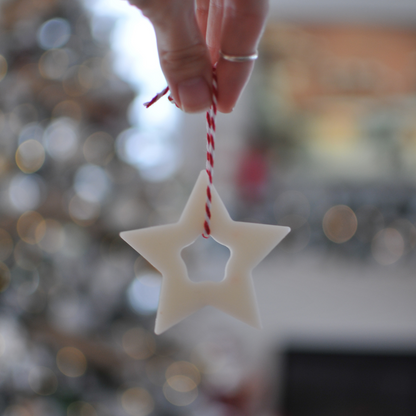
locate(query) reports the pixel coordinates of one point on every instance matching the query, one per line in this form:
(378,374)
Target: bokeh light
(30,156)
(181,375)
(137,401)
(54,33)
(139,343)
(156,158)
(91,183)
(83,212)
(71,362)
(25,192)
(181,398)
(61,136)
(143,293)
(182,378)
(31,227)
(54,63)
(339,223)
(387,246)
(42,381)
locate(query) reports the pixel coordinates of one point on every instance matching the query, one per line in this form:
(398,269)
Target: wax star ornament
(248,243)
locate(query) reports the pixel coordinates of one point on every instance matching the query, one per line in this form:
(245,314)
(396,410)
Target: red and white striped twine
(211,129)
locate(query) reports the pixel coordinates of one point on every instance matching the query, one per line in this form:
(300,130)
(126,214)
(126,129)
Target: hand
(189,39)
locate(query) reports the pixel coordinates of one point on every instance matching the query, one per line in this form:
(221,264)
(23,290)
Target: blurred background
(323,140)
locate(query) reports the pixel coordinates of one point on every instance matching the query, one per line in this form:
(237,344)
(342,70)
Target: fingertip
(232,79)
(194,95)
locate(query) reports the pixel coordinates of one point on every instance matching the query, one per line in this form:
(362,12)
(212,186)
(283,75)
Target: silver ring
(234,58)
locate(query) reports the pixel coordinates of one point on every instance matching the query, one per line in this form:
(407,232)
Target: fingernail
(195,95)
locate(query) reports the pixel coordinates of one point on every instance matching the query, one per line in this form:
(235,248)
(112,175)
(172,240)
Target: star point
(161,246)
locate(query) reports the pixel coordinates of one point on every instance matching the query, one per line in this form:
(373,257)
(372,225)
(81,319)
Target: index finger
(243,23)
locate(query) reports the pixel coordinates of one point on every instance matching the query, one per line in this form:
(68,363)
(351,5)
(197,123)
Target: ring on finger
(236,58)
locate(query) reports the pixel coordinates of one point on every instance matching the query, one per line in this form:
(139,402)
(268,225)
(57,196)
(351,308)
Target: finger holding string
(242,26)
(183,54)
(210,17)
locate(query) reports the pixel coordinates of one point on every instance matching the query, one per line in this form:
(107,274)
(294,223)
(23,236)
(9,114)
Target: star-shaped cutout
(161,246)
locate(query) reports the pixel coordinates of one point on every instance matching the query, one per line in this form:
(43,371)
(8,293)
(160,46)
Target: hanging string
(211,130)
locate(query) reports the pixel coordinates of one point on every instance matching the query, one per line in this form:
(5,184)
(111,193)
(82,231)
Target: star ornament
(248,243)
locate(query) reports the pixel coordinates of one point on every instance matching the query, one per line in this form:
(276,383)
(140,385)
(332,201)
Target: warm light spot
(3,67)
(30,156)
(4,277)
(80,409)
(179,398)
(98,148)
(339,223)
(139,343)
(53,63)
(6,245)
(137,402)
(182,384)
(50,235)
(387,246)
(184,368)
(31,227)
(42,381)
(71,362)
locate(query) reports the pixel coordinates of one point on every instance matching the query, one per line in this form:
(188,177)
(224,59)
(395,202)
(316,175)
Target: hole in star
(206,260)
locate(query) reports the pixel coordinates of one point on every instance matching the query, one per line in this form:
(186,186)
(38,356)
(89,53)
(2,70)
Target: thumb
(183,54)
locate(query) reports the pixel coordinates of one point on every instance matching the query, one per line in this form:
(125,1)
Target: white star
(161,246)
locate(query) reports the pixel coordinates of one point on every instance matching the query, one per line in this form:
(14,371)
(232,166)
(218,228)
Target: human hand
(190,35)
